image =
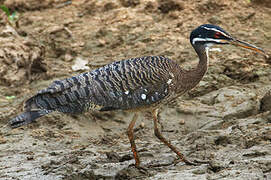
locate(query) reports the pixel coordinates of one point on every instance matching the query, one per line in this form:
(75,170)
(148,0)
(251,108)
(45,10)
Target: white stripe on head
(214,29)
(205,39)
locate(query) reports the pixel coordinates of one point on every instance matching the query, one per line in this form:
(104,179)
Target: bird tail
(27,117)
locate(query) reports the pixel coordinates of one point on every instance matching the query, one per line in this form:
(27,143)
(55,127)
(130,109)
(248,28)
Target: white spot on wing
(169,81)
(171,74)
(126,92)
(143,96)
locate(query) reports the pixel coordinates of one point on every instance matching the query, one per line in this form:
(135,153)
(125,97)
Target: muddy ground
(224,120)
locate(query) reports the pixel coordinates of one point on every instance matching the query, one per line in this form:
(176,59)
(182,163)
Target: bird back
(126,84)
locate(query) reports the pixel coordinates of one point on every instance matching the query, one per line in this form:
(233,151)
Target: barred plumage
(127,84)
(134,84)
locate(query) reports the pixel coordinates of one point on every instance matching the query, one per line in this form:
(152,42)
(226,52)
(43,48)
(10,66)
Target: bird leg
(158,134)
(130,133)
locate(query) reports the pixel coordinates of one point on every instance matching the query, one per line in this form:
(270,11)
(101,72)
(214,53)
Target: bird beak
(243,44)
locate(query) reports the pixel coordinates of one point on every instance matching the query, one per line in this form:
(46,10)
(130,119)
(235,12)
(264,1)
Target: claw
(188,162)
(140,168)
(176,161)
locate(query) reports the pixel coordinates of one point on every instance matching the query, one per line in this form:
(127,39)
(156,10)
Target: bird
(135,85)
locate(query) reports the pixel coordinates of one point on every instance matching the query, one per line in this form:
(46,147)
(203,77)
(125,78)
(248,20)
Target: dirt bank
(224,119)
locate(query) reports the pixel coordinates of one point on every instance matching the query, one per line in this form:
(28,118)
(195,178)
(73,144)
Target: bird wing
(124,84)
(133,83)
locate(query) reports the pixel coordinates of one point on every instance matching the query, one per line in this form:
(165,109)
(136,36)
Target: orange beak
(246,45)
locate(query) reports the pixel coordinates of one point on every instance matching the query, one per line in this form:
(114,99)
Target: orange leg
(161,138)
(130,133)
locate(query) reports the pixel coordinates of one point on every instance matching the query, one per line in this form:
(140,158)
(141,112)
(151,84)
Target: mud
(224,120)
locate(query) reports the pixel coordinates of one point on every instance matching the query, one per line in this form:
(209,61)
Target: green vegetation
(10,97)
(12,18)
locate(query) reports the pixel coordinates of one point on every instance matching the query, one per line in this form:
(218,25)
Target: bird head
(208,35)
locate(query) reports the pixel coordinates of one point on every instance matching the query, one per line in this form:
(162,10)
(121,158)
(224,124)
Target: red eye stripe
(217,35)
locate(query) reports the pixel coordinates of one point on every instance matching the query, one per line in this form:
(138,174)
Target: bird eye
(217,35)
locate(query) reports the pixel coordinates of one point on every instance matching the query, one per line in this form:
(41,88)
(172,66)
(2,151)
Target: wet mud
(225,120)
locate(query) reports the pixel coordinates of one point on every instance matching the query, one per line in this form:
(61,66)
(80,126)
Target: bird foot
(159,165)
(195,162)
(176,161)
(142,169)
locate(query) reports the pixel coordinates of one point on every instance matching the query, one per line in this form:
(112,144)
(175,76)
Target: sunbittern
(137,84)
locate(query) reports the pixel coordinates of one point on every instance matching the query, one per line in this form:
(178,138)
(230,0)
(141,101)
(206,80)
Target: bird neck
(202,66)
(189,79)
